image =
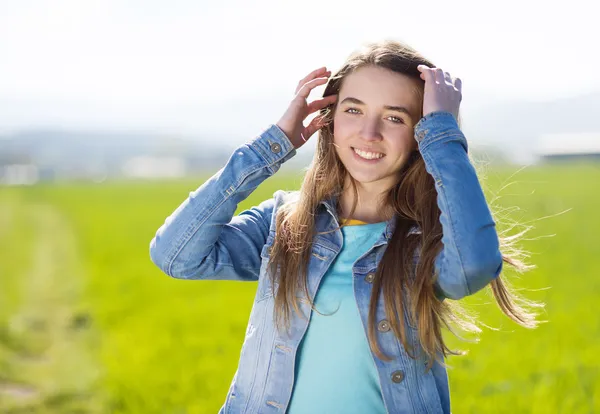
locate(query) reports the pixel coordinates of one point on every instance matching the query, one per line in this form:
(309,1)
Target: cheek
(405,145)
(343,127)
(410,144)
(407,140)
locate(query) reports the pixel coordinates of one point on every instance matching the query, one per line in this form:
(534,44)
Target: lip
(359,158)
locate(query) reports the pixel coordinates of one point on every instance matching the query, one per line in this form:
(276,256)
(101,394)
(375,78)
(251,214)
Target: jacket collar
(330,204)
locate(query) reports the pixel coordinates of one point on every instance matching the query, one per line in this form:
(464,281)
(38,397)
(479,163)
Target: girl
(390,222)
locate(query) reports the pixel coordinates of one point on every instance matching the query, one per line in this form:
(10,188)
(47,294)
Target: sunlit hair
(406,286)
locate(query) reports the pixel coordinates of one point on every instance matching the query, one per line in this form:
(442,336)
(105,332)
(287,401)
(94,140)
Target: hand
(292,121)
(442,92)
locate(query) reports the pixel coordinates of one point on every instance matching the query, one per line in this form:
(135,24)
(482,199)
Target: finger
(317,123)
(458,84)
(321,103)
(315,73)
(439,76)
(427,73)
(326,74)
(448,78)
(310,85)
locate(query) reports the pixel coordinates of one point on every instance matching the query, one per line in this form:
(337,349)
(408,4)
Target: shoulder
(280,198)
(285,196)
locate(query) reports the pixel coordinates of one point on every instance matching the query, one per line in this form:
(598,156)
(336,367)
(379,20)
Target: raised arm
(470,258)
(201,239)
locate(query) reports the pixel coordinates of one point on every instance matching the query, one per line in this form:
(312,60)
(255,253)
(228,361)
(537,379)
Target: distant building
(19,174)
(154,167)
(569,147)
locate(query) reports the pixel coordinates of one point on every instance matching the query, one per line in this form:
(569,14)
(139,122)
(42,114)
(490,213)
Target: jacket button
(383,326)
(397,376)
(369,278)
(275,147)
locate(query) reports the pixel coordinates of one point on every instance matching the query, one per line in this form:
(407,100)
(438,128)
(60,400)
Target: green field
(89,325)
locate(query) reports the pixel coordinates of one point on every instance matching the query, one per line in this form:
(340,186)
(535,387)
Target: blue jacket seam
(442,192)
(194,227)
(248,401)
(229,264)
(268,163)
(444,136)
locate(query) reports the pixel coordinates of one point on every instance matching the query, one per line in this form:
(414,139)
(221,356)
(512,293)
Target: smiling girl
(358,270)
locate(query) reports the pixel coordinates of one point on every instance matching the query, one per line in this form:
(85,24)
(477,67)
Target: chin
(365,178)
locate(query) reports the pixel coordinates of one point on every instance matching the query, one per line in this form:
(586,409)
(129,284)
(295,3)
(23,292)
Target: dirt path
(47,340)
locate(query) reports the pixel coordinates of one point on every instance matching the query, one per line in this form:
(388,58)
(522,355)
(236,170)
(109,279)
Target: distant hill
(517,125)
(68,150)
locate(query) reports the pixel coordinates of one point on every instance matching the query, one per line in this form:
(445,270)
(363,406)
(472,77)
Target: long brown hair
(414,201)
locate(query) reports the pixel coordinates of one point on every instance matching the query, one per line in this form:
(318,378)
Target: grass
(89,324)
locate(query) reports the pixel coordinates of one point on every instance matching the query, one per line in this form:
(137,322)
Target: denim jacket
(202,240)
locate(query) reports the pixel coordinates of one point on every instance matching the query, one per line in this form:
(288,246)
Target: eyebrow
(390,107)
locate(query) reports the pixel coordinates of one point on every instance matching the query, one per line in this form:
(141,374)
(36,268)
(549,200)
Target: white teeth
(368,155)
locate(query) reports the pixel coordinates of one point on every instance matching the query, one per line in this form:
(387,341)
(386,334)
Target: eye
(397,120)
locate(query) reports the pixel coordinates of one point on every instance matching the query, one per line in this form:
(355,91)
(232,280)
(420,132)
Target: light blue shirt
(335,372)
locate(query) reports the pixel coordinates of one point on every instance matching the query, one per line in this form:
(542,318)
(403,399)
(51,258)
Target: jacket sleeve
(201,239)
(470,257)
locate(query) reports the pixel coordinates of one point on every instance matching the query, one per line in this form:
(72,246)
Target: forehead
(379,86)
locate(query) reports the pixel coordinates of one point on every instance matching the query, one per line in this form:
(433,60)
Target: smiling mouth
(368,155)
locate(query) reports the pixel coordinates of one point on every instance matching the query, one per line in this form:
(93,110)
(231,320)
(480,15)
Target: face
(374,125)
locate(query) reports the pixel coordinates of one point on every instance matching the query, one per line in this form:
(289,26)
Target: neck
(370,207)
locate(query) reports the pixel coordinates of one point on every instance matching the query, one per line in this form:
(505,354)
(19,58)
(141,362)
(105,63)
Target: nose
(371,130)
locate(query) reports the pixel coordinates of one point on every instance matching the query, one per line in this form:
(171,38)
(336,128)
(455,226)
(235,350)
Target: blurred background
(112,112)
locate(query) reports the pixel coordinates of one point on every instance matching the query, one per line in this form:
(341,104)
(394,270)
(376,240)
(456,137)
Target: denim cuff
(438,126)
(273,146)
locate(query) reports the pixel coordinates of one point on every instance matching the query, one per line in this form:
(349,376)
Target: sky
(188,67)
